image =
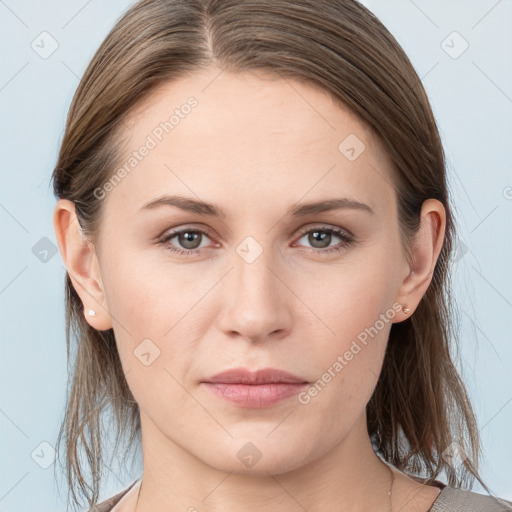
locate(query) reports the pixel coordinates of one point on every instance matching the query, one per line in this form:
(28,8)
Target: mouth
(259,389)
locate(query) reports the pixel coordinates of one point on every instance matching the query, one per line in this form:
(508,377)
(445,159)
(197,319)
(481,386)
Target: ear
(426,248)
(81,263)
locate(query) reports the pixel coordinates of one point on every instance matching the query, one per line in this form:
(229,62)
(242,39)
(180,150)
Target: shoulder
(110,503)
(451,499)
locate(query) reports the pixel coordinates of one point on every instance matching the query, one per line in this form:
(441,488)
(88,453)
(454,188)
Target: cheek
(154,341)
(348,362)
(151,308)
(346,297)
(351,313)
(147,294)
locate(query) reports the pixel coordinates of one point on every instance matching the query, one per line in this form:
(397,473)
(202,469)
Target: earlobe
(81,263)
(426,248)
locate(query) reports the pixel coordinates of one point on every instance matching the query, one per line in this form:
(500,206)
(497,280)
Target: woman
(253,212)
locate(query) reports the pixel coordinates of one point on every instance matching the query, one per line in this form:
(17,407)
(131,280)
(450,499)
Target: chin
(256,457)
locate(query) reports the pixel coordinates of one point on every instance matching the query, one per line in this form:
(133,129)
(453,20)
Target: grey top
(449,499)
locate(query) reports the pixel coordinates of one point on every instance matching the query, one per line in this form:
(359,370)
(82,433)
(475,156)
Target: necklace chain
(390,492)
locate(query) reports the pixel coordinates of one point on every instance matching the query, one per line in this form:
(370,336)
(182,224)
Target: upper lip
(263,376)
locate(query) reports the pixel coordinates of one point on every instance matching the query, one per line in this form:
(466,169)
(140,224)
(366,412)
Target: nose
(256,304)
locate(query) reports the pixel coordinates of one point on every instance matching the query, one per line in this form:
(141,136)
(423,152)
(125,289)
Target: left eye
(321,238)
(187,238)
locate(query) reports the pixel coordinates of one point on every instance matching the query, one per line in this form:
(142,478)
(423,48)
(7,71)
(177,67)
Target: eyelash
(347,240)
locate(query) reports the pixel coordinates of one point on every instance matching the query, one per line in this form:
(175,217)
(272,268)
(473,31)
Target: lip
(263,376)
(259,389)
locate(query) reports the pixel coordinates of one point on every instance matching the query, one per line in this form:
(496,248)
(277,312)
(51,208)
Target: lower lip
(255,396)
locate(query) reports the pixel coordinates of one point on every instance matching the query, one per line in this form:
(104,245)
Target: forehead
(264,100)
(250,134)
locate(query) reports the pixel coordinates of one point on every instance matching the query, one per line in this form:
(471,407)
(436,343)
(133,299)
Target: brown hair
(420,405)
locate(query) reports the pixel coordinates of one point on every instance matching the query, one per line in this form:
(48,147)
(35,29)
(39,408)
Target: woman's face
(259,281)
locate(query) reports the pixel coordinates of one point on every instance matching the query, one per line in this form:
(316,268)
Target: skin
(254,146)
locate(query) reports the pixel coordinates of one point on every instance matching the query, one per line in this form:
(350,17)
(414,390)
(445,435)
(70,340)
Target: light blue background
(472,100)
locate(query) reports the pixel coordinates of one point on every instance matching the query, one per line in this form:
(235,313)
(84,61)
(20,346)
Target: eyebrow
(297,210)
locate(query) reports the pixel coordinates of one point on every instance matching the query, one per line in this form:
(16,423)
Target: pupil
(188,238)
(324,238)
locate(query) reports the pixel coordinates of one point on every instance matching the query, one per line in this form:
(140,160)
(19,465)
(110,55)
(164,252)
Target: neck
(349,477)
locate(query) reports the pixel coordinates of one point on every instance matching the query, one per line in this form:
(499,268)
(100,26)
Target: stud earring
(91,312)
(405,310)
